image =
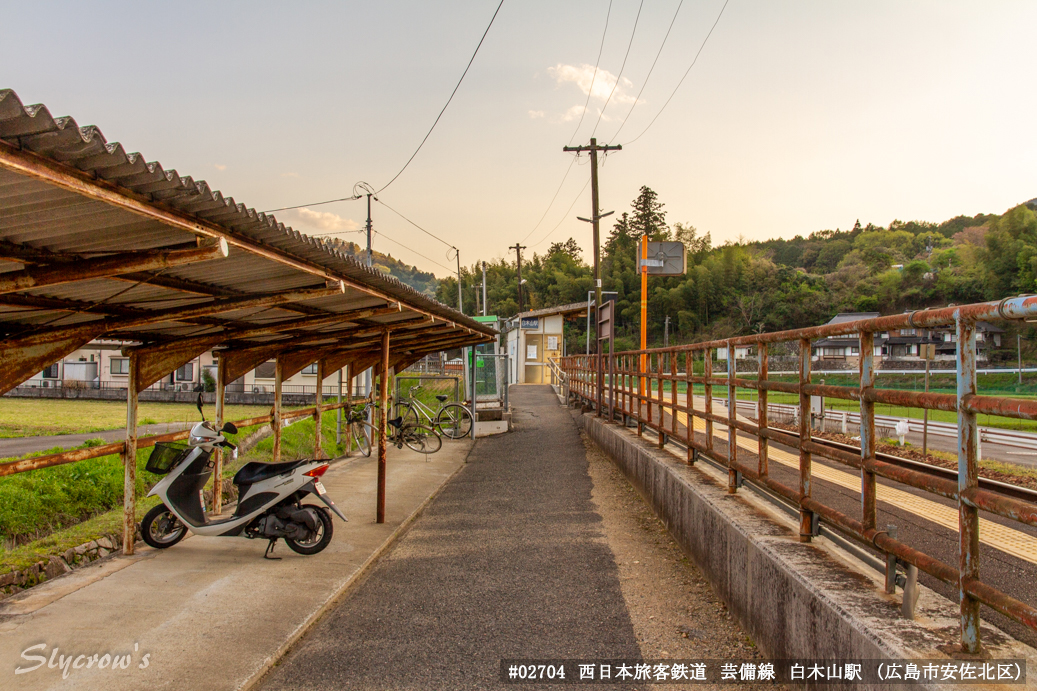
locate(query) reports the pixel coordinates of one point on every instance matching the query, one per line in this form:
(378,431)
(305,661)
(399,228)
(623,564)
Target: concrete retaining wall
(796,600)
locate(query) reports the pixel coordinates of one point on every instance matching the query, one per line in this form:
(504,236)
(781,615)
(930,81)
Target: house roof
(560,309)
(843,317)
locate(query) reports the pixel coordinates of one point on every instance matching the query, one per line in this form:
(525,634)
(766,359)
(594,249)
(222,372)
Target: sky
(797,116)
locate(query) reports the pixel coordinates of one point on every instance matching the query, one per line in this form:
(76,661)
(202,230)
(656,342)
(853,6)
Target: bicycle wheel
(422,439)
(454,421)
(361,434)
(407,412)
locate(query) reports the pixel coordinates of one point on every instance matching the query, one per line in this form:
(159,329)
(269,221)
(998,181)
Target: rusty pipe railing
(76,455)
(635,373)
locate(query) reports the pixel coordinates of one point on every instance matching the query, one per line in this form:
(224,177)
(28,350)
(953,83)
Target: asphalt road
(19,446)
(508,562)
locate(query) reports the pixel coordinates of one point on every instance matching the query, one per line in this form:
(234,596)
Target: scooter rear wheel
(161,528)
(320,539)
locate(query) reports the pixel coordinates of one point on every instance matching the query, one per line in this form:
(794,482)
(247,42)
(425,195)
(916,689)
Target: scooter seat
(257,472)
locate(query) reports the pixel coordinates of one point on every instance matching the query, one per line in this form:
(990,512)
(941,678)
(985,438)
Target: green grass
(35,417)
(47,511)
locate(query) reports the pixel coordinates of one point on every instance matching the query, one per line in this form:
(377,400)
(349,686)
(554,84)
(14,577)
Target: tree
(568,247)
(648,217)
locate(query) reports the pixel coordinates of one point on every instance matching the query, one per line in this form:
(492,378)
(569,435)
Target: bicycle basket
(164,456)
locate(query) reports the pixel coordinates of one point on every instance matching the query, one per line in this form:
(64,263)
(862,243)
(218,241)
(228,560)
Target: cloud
(536,114)
(325,220)
(584,75)
(573,113)
(289,175)
(220,167)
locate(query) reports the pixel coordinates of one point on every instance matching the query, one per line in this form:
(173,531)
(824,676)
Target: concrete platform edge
(257,677)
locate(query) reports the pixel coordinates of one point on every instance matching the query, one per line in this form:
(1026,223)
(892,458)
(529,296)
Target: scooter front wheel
(161,528)
(320,539)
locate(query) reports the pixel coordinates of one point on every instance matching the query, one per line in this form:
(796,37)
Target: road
(19,446)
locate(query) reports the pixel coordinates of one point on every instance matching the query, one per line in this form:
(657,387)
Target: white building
(537,337)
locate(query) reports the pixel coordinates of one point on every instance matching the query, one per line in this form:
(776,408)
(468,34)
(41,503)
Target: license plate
(319,487)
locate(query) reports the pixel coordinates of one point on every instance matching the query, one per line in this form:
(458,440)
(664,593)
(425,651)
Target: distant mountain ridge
(422,281)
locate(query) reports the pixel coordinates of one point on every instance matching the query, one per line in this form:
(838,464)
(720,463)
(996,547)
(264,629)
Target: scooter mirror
(230,428)
(200,411)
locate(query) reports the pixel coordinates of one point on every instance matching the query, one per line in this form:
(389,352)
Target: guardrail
(637,387)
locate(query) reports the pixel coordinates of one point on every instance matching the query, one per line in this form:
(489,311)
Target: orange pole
(644,308)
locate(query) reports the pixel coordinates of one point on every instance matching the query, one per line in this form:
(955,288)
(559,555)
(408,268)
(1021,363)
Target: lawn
(34,417)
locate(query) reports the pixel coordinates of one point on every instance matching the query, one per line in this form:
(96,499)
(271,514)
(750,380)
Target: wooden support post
(129,461)
(968,482)
(318,412)
(275,418)
(867,430)
(383,418)
(217,456)
(707,371)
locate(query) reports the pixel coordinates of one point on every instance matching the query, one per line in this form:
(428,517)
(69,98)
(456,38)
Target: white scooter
(269,496)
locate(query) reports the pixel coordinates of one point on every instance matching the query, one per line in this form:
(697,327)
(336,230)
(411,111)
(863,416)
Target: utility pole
(596,216)
(484,289)
(370,261)
(666,332)
(460,305)
(518,257)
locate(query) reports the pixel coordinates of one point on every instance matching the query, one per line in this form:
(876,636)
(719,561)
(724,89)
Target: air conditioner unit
(186,387)
(258,389)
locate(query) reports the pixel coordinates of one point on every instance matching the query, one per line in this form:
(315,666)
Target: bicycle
(420,438)
(452,420)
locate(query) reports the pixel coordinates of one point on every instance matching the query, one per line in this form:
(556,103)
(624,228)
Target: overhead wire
(551,203)
(447,101)
(650,70)
(302,206)
(411,249)
(426,232)
(590,89)
(564,216)
(695,60)
(621,68)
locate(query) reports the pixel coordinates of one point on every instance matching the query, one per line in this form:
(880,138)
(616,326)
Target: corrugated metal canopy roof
(71,200)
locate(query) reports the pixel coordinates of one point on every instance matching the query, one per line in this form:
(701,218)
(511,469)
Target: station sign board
(530,323)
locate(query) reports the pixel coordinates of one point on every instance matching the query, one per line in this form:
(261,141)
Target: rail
(645,386)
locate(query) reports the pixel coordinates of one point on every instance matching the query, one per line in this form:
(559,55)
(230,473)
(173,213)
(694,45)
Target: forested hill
(739,288)
(409,274)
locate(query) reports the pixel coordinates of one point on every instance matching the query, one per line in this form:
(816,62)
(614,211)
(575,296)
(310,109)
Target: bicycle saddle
(441,398)
(397,423)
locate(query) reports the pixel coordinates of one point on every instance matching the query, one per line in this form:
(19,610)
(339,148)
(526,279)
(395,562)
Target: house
(537,337)
(904,346)
(101,365)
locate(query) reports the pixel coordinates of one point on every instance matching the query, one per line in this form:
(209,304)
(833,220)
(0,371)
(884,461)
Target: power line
(621,68)
(430,234)
(412,250)
(300,206)
(551,232)
(590,90)
(447,101)
(551,203)
(650,70)
(721,14)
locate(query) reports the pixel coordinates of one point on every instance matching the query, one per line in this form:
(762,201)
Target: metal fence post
(732,412)
(968,482)
(761,402)
(806,516)
(689,400)
(129,460)
(707,370)
(867,371)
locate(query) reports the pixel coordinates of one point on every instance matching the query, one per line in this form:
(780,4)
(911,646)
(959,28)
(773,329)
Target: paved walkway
(508,561)
(208,613)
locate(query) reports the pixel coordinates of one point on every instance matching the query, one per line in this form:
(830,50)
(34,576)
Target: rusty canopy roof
(96,242)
